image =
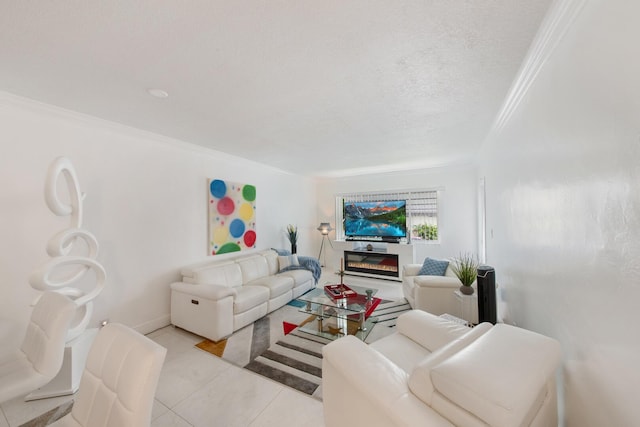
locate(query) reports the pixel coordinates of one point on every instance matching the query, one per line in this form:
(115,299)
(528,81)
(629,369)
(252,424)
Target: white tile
(174,341)
(159,332)
(187,372)
(291,408)
(170,419)
(158,409)
(234,398)
(17,411)
(189,336)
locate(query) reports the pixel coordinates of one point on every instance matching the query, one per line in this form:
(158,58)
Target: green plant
(292,234)
(426,231)
(465,267)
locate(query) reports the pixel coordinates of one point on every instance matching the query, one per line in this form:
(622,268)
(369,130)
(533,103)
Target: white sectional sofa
(433,372)
(220,296)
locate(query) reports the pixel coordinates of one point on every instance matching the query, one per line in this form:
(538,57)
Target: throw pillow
(433,267)
(288,261)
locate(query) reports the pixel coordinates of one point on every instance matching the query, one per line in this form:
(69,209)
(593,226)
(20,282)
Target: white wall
(457,224)
(563,211)
(146,204)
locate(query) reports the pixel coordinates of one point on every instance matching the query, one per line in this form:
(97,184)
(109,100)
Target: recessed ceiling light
(158,93)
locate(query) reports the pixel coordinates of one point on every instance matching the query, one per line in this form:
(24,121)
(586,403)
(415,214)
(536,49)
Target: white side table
(468,306)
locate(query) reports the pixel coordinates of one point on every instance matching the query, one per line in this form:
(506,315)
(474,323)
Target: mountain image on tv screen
(375,219)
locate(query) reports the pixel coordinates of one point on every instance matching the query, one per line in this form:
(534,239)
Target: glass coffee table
(337,317)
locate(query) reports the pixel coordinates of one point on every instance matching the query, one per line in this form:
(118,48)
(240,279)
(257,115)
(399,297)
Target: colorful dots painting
(232,216)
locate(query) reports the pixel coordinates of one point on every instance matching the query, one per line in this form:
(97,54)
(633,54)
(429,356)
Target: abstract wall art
(232,216)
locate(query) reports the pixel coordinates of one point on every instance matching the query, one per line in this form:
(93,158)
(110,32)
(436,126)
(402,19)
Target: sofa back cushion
(272,261)
(219,273)
(429,330)
(420,381)
(253,267)
(501,378)
(449,272)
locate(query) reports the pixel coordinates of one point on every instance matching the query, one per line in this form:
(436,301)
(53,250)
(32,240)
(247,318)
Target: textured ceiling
(334,87)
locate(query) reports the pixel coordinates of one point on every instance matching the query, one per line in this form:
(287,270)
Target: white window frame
(411,196)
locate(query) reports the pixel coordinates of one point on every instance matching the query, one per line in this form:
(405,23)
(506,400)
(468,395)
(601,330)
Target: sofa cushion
(218,273)
(433,267)
(400,350)
(500,377)
(248,297)
(300,277)
(288,261)
(277,285)
(420,381)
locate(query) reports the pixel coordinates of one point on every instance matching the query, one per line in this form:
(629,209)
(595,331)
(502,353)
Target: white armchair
(434,294)
(433,372)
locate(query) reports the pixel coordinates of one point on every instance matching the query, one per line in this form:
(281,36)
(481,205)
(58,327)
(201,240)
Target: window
(422,212)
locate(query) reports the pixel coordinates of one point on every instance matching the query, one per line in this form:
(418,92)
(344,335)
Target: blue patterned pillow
(433,267)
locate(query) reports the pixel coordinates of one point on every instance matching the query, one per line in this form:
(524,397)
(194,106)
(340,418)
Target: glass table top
(338,317)
(354,304)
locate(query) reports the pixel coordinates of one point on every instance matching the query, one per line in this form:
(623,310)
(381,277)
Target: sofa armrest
(208,291)
(363,387)
(411,269)
(501,378)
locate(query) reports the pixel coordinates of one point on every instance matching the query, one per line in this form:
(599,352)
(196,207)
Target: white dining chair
(119,381)
(39,358)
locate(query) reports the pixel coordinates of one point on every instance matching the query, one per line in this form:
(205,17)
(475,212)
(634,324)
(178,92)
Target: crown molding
(38,107)
(555,25)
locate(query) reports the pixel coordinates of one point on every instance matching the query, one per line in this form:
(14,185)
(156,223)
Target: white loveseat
(433,372)
(218,297)
(435,294)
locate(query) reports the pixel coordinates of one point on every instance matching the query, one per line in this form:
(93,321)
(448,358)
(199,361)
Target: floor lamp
(324,229)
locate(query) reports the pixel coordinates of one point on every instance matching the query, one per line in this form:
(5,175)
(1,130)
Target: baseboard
(154,324)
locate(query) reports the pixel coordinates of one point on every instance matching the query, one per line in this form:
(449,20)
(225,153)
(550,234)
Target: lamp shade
(325,228)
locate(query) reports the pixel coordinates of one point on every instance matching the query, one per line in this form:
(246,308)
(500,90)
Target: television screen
(375,219)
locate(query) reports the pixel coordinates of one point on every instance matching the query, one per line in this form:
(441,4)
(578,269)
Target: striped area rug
(388,311)
(296,359)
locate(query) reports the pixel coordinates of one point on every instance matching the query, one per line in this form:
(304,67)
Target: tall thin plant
(465,267)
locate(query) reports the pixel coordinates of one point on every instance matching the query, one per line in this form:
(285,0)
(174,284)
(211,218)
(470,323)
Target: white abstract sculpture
(65,268)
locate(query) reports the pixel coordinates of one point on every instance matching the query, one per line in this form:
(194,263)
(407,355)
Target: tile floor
(196,389)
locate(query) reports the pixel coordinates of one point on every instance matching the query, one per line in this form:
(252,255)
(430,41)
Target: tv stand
(404,253)
(370,262)
(373,239)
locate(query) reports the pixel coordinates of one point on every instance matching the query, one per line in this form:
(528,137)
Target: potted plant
(465,267)
(292,235)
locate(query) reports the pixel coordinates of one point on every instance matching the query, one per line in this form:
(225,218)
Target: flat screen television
(376,220)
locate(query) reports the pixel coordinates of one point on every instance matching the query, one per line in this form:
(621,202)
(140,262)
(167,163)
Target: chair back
(44,342)
(119,381)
